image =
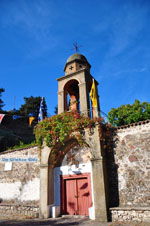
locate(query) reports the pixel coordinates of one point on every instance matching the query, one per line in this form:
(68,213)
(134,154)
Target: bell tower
(75,86)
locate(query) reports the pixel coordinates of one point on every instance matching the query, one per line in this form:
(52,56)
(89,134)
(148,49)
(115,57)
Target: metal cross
(76,47)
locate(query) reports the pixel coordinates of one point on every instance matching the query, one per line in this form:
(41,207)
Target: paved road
(64,222)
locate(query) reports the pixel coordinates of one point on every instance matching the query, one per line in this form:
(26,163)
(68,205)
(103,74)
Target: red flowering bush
(58,128)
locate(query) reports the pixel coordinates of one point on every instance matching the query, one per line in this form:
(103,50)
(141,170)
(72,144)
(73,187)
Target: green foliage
(32,105)
(58,128)
(15,132)
(1,101)
(127,114)
(7,139)
(21,145)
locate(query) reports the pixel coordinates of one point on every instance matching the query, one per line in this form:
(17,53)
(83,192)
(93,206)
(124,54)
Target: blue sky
(37,36)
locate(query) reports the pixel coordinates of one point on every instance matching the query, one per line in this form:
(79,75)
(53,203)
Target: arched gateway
(71,176)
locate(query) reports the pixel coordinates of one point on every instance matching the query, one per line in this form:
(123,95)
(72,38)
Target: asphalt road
(64,222)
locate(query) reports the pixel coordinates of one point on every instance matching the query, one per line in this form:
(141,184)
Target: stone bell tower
(74,87)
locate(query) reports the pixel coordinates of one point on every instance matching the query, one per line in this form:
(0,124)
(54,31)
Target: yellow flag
(31,120)
(93,94)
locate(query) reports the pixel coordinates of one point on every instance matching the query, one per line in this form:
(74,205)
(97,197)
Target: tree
(127,114)
(56,110)
(1,102)
(32,106)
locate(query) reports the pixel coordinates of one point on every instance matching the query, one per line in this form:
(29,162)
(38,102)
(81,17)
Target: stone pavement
(64,221)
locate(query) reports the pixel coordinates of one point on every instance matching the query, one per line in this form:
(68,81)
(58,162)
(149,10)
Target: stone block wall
(20,182)
(128,214)
(132,156)
(128,167)
(127,155)
(13,211)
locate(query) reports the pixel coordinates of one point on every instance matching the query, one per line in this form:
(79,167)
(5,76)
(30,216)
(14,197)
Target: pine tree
(32,106)
(1,101)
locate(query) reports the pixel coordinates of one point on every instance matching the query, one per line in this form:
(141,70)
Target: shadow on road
(51,222)
(66,222)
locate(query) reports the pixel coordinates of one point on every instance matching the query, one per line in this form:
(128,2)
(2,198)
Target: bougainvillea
(58,128)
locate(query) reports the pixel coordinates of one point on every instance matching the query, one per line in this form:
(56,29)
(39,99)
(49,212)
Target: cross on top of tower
(76,47)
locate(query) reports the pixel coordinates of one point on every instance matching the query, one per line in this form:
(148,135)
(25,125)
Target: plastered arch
(49,160)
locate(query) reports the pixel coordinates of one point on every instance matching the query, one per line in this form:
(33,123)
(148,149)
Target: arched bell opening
(71,96)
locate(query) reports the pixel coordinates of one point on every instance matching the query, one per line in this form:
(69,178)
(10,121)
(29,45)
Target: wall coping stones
(138,208)
(19,149)
(133,124)
(34,206)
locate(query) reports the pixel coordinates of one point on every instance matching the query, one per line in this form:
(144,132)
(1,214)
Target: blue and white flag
(16,117)
(40,116)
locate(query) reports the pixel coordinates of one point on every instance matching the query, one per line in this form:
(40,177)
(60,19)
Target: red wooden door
(83,196)
(76,197)
(71,197)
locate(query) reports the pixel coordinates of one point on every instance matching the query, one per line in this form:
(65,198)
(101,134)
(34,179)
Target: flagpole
(14,102)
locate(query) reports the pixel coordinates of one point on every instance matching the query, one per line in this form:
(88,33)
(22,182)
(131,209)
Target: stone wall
(129,214)
(133,160)
(20,181)
(129,170)
(10,210)
(127,155)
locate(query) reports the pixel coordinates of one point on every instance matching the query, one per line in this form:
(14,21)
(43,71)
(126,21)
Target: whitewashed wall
(20,181)
(26,192)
